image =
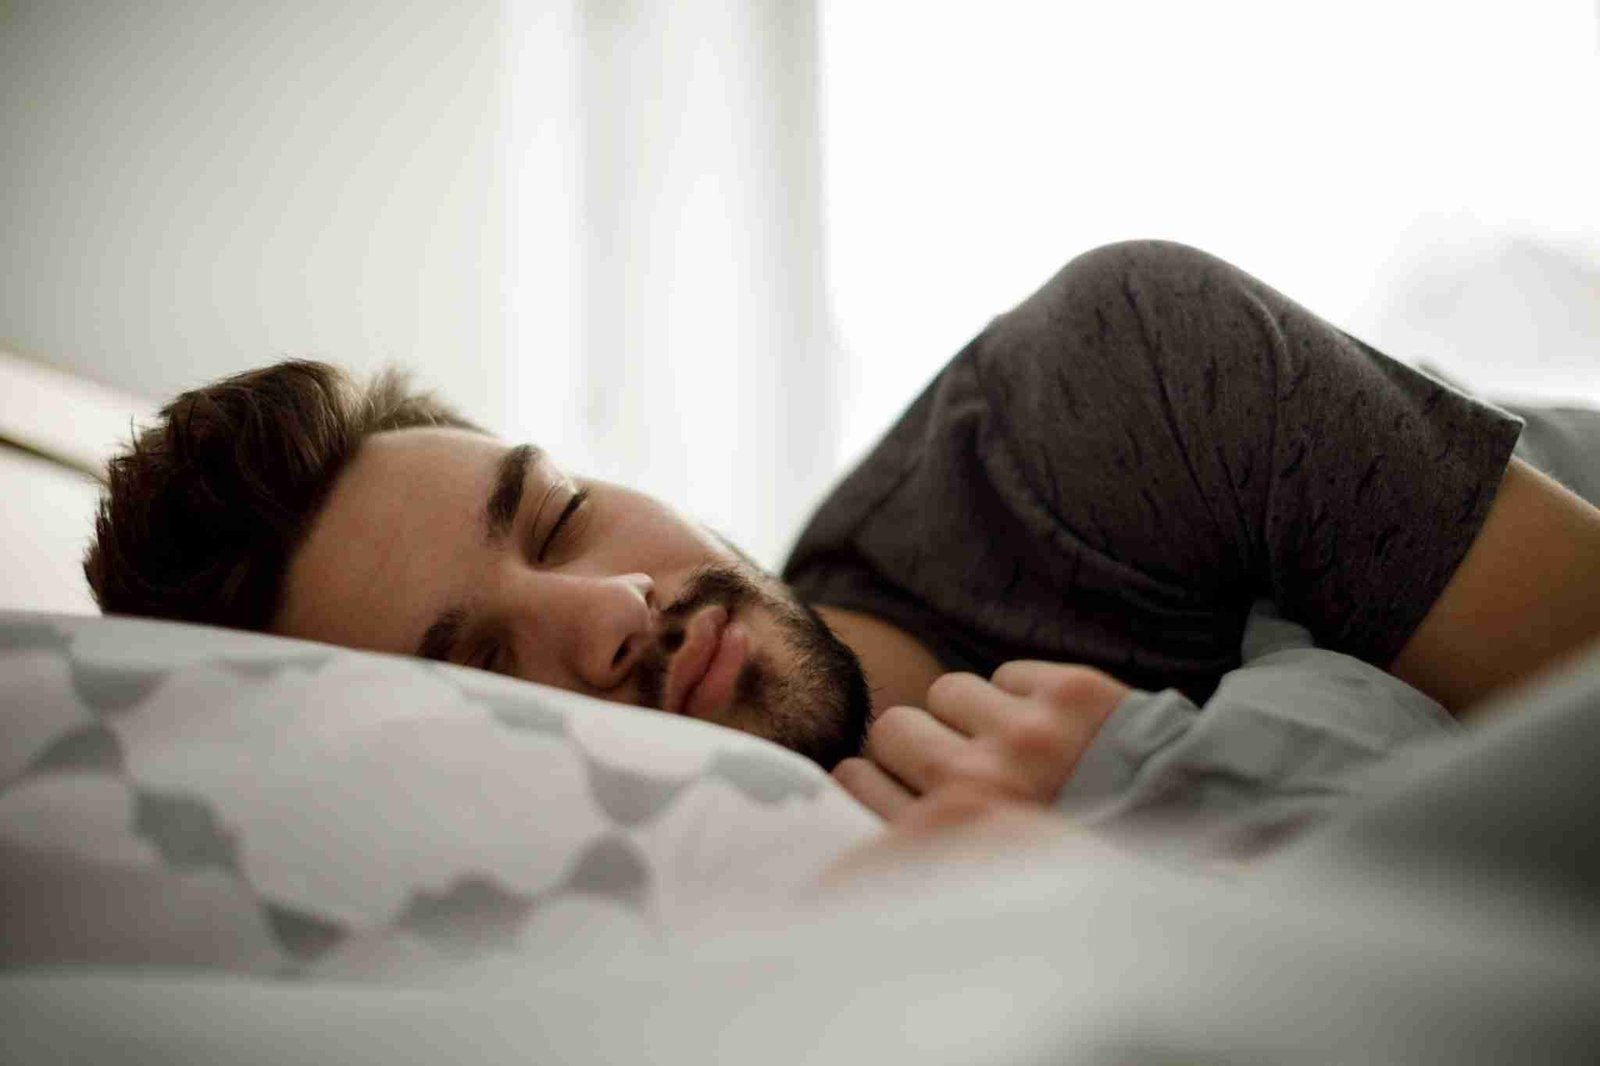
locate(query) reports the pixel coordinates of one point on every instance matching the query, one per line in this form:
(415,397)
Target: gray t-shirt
(1113,472)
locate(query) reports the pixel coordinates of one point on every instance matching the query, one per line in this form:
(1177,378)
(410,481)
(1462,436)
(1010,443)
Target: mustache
(709,585)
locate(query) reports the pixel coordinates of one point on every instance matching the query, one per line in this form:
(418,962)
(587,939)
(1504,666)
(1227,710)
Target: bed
(56,432)
(219,846)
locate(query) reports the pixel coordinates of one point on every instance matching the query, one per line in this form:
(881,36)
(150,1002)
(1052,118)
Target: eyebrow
(505,499)
(499,514)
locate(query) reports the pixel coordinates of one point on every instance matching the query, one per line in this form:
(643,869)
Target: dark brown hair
(203,513)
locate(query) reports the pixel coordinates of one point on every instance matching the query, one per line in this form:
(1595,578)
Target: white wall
(1423,173)
(594,224)
(194,187)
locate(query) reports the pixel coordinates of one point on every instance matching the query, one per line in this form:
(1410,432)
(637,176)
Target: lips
(703,673)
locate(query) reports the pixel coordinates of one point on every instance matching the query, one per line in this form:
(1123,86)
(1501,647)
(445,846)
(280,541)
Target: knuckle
(849,769)
(1008,672)
(1080,688)
(1033,735)
(969,768)
(890,720)
(947,686)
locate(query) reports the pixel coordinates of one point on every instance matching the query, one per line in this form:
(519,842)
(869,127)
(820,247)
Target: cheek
(681,549)
(649,537)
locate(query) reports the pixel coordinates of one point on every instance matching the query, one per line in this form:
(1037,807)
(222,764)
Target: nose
(617,618)
(585,632)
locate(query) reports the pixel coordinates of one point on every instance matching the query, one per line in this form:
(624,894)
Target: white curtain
(665,317)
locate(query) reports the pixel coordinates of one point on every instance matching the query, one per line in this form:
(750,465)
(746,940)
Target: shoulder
(1112,294)
(1138,336)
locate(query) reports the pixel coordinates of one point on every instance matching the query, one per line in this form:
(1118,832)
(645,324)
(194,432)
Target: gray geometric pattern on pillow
(185,831)
(112,689)
(91,747)
(20,632)
(187,796)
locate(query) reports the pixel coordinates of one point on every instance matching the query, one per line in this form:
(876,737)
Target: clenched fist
(1012,739)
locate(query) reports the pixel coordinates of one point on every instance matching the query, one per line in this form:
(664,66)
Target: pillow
(192,796)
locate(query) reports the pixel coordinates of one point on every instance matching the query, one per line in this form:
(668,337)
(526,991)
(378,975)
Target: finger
(969,704)
(873,789)
(1081,689)
(915,747)
(1024,677)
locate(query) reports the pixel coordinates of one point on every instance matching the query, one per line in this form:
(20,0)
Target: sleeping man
(1086,505)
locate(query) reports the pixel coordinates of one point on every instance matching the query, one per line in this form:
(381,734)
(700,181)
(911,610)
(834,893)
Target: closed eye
(579,498)
(491,655)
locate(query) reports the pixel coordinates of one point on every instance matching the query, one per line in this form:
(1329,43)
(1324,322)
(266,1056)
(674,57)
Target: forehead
(402,529)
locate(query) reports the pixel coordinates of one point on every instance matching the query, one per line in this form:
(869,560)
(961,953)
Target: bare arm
(1525,597)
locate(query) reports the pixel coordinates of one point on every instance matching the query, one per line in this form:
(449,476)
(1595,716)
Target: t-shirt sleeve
(1197,426)
(1112,472)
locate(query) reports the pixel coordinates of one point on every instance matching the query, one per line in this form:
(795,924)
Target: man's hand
(1015,738)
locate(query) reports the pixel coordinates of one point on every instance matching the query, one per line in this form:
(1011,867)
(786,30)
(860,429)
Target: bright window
(1422,174)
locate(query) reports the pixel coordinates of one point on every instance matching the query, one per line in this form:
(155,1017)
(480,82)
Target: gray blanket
(1284,743)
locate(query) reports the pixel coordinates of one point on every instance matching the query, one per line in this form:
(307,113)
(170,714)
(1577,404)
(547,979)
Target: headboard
(56,432)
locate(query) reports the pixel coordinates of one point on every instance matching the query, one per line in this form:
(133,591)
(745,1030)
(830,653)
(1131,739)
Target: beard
(817,704)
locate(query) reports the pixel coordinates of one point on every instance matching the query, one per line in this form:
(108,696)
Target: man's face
(449,545)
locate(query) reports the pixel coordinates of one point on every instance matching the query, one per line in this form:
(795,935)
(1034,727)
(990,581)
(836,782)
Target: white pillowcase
(193,796)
